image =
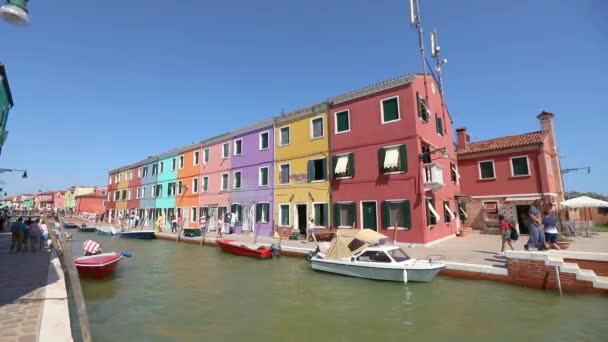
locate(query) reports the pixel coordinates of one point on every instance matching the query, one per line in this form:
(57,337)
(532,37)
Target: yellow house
(301,174)
(121,194)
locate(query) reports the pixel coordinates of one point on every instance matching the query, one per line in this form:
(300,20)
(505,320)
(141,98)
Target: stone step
(601,282)
(569,267)
(587,275)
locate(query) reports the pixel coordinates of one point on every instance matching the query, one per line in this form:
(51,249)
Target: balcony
(433,176)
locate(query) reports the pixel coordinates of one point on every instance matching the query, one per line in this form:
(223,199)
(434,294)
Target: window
(145,171)
(393,159)
(549,166)
(131,175)
(390,110)
(490,210)
(316,128)
(236,180)
(158,190)
(181,162)
(162,167)
(180,186)
(439,124)
(193,217)
(195,157)
(110,181)
(262,212)
(344,165)
(206,156)
(462,211)
(118,178)
(320,214)
(225,150)
(423,110)
(224,186)
(194,185)
(345,214)
(173,164)
(154,169)
(454,173)
(238,145)
(398,255)
(374,256)
(520,167)
(342,121)
(396,212)
(124,195)
(143,192)
(317,169)
(139,172)
(138,193)
(284,136)
(447,212)
(117,195)
(284,215)
(486,170)
(284,174)
(263,176)
(237,209)
(203,212)
(171,189)
(263,141)
(432,217)
(205,184)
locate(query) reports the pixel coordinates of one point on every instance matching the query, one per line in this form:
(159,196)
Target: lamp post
(24,176)
(427,154)
(15,12)
(588,168)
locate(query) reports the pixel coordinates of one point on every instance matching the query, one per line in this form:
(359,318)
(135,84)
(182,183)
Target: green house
(6,103)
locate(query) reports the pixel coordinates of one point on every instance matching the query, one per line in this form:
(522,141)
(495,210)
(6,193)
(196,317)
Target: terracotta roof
(504,142)
(92,195)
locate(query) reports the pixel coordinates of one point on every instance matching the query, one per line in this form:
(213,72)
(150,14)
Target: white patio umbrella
(585,202)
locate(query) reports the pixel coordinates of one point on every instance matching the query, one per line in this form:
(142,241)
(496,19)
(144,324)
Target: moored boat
(245,249)
(70,225)
(138,234)
(97,266)
(106,231)
(86,229)
(364,253)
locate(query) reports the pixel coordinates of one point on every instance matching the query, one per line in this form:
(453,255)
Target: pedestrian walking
(173,224)
(536,233)
(505,229)
(228,222)
(25,234)
(220,226)
(159,223)
(16,238)
(551,233)
(35,235)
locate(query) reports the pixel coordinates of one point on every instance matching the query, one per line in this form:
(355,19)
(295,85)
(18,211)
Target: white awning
(447,208)
(464,213)
(521,199)
(341,165)
(434,212)
(584,202)
(391,159)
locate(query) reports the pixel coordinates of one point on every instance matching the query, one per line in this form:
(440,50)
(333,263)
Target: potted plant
(564,242)
(464,231)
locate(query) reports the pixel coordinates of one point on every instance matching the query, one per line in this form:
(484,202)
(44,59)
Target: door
(301,212)
(522,218)
(248,210)
(212,218)
(370,218)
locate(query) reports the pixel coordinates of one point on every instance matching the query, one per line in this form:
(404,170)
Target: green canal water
(181,292)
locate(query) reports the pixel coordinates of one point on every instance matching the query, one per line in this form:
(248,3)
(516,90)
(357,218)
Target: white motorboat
(364,253)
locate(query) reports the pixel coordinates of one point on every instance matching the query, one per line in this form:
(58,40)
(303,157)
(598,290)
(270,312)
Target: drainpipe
(330,205)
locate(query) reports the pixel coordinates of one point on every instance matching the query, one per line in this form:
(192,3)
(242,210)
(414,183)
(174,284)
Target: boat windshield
(398,255)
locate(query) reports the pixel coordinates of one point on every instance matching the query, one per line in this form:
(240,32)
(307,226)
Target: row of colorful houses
(76,199)
(380,157)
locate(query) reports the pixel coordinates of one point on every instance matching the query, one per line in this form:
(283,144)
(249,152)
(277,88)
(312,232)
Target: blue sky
(100,85)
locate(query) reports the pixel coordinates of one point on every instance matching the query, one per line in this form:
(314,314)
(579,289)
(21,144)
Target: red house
(393,161)
(110,199)
(90,203)
(504,175)
(132,196)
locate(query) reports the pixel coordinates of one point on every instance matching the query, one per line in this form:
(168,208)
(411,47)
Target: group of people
(542,227)
(28,234)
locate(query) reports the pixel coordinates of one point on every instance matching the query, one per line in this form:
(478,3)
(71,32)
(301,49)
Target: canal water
(181,292)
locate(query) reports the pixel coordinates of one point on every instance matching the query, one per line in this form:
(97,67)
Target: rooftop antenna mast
(435,50)
(416,21)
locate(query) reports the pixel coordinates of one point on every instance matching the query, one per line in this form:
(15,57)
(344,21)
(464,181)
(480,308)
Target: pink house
(59,200)
(505,175)
(214,193)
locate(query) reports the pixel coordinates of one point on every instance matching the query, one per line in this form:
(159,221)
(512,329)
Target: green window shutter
(440,128)
(336,214)
(462,206)
(324,210)
(403,158)
(258,212)
(407,214)
(343,124)
(428,212)
(391,109)
(438,124)
(324,168)
(351,164)
(446,213)
(334,162)
(353,212)
(238,181)
(381,154)
(386,216)
(311,171)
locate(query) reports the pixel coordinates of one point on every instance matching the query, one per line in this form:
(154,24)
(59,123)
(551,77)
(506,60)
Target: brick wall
(475,215)
(599,267)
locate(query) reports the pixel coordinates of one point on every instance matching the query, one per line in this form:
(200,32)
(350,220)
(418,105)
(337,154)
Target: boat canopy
(349,242)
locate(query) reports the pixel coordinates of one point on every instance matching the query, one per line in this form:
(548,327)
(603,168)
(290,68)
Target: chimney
(463,137)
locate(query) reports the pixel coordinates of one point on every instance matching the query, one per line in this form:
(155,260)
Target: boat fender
(309,256)
(276,250)
(126,254)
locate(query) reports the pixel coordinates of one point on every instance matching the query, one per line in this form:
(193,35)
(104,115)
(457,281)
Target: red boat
(97,266)
(241,248)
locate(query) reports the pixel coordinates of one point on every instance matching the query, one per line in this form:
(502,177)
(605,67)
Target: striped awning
(91,247)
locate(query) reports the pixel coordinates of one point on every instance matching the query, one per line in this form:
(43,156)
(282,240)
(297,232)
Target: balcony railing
(433,176)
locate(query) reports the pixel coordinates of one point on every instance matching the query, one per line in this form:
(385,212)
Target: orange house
(91,203)
(188,184)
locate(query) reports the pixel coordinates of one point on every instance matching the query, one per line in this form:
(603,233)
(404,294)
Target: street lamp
(15,12)
(588,168)
(24,176)
(427,154)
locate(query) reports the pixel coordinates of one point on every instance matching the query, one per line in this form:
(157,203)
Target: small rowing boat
(86,229)
(97,266)
(245,249)
(138,234)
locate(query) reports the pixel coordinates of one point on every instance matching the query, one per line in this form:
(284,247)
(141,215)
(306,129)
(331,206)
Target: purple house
(252,177)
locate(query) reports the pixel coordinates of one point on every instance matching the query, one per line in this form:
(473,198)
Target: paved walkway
(23,277)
